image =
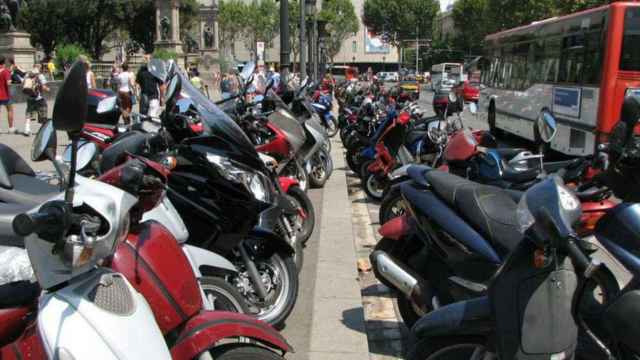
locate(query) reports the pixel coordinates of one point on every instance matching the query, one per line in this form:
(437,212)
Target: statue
(208,37)
(14,9)
(6,23)
(165,28)
(190,43)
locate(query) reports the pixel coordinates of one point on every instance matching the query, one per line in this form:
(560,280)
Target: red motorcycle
(155,265)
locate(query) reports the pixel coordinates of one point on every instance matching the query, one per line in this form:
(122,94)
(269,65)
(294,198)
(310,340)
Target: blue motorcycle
(323,108)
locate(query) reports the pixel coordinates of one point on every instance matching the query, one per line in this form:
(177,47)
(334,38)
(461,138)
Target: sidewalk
(338,330)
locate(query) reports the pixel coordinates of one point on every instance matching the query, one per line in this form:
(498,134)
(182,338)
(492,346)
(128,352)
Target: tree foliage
(470,24)
(231,20)
(342,22)
(400,20)
(90,23)
(262,23)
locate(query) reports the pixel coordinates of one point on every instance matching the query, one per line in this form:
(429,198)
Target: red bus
(579,67)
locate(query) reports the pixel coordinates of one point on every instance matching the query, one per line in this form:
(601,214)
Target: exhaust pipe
(391,272)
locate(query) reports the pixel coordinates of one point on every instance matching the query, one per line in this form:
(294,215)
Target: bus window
(593,58)
(630,57)
(572,59)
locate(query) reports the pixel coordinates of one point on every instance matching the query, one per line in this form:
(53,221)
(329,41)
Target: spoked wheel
(392,206)
(244,352)
(319,169)
(279,276)
(374,186)
(305,220)
(222,296)
(455,348)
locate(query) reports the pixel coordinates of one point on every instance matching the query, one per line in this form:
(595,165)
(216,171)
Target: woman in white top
(91,77)
(125,84)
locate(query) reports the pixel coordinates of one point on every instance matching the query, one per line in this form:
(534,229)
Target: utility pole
(303,39)
(285,49)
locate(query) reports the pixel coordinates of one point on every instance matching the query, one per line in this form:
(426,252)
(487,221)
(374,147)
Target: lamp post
(311,35)
(284,40)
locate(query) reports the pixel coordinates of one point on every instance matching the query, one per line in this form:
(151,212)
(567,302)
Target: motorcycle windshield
(215,121)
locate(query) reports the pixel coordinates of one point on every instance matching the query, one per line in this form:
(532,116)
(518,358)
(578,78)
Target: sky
(444,4)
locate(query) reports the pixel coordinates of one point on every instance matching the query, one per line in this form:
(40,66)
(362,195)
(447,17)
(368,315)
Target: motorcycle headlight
(252,181)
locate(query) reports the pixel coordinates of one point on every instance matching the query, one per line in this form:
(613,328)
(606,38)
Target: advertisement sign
(567,101)
(373,44)
(260,50)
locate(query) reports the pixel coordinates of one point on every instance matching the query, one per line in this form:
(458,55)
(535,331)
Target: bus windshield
(630,57)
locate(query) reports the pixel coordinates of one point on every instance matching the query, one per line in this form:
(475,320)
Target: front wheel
(354,159)
(222,296)
(392,206)
(332,126)
(295,170)
(279,276)
(244,352)
(319,168)
(305,220)
(374,186)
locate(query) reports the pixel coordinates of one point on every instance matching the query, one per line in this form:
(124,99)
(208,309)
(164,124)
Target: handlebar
(582,261)
(50,222)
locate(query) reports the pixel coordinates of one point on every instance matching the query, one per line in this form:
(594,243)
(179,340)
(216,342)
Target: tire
(363,171)
(374,187)
(225,297)
(390,207)
(306,226)
(354,160)
(244,352)
(295,170)
(331,126)
(282,297)
(446,348)
(319,169)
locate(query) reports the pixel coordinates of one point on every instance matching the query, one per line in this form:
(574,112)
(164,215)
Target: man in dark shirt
(150,88)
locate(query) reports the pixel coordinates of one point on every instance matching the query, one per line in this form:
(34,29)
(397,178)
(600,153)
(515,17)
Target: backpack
(30,85)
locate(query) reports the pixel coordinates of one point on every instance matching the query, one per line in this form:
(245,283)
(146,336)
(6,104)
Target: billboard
(373,44)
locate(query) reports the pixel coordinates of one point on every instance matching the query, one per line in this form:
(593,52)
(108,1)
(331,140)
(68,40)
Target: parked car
(392,76)
(469,91)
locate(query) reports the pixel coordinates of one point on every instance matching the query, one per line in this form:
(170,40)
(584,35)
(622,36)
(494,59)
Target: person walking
(34,86)
(91,77)
(5,95)
(150,89)
(51,69)
(125,85)
(17,74)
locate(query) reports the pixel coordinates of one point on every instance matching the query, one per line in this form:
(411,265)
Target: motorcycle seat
(471,317)
(490,210)
(18,184)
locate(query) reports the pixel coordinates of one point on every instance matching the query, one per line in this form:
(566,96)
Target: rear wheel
(222,295)
(244,352)
(374,186)
(392,206)
(304,222)
(319,168)
(332,126)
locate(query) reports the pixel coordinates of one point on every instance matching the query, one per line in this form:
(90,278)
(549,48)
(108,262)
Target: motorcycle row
(173,237)
(492,252)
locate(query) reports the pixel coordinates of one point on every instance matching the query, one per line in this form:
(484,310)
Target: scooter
(528,310)
(172,290)
(458,235)
(323,105)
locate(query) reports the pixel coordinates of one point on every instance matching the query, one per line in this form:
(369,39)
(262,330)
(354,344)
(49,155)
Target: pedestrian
(51,68)
(125,85)
(91,77)
(113,77)
(195,79)
(150,88)
(17,74)
(34,86)
(5,95)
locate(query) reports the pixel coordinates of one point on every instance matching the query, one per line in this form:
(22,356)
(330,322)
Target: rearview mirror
(44,144)
(546,127)
(70,109)
(87,151)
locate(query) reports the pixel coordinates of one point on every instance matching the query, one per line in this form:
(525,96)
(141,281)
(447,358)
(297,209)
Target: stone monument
(168,26)
(208,31)
(13,43)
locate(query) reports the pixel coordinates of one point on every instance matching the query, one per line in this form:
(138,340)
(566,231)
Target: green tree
(571,6)
(507,14)
(45,21)
(262,23)
(470,25)
(141,25)
(231,23)
(400,20)
(342,22)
